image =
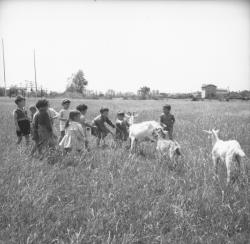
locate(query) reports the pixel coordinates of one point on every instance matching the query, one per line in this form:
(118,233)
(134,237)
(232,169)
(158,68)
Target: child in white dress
(74,138)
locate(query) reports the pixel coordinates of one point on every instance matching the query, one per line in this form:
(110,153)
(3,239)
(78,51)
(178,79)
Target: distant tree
(110,93)
(144,92)
(77,82)
(2,91)
(13,91)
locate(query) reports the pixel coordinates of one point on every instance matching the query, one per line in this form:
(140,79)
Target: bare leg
(27,139)
(19,139)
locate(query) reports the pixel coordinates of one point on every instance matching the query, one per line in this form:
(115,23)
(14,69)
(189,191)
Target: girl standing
(74,138)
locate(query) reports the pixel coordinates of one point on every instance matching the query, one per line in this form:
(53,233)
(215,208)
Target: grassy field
(103,196)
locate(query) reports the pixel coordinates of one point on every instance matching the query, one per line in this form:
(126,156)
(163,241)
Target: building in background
(211,91)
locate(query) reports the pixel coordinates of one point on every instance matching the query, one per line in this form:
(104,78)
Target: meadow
(103,196)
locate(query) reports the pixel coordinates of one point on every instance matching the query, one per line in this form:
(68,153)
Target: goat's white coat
(227,151)
(166,146)
(141,131)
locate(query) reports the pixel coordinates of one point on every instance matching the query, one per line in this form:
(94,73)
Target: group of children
(73,125)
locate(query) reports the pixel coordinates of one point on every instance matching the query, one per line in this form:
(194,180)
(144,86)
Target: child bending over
(99,128)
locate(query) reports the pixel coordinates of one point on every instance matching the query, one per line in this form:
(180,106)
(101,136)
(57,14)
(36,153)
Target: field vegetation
(103,196)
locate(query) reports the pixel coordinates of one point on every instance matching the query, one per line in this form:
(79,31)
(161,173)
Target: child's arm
(173,119)
(110,123)
(61,116)
(162,122)
(15,121)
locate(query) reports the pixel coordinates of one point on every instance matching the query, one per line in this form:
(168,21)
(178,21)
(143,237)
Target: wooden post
(4,75)
(35,70)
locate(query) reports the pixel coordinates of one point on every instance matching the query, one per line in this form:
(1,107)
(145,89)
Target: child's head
(66,103)
(104,112)
(33,109)
(82,108)
(42,104)
(74,115)
(120,115)
(166,109)
(20,101)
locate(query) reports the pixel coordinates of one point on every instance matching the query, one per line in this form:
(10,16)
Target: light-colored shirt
(63,114)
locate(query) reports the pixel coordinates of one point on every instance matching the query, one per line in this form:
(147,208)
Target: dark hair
(82,107)
(167,107)
(42,103)
(65,101)
(103,110)
(32,107)
(19,99)
(72,115)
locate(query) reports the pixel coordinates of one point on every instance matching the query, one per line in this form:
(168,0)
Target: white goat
(141,131)
(227,151)
(165,146)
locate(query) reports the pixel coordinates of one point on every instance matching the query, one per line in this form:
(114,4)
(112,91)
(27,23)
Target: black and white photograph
(124,122)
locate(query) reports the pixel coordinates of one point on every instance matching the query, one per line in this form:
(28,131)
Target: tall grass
(103,196)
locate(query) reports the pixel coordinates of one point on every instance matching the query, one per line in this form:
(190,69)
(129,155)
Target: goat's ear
(207,131)
(216,131)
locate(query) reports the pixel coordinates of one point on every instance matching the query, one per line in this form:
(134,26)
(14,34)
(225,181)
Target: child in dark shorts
(99,128)
(21,120)
(167,120)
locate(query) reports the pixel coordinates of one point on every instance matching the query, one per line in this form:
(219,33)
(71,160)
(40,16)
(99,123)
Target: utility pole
(4,76)
(35,70)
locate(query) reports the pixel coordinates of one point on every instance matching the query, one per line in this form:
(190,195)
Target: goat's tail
(240,152)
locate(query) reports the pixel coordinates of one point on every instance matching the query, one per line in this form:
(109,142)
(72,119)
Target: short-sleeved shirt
(21,114)
(167,119)
(63,114)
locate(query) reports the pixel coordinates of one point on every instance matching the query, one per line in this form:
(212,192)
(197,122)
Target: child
(21,120)
(82,108)
(33,110)
(42,128)
(122,126)
(99,129)
(167,121)
(74,137)
(63,117)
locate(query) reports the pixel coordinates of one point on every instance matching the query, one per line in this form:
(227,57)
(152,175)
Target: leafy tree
(144,92)
(77,82)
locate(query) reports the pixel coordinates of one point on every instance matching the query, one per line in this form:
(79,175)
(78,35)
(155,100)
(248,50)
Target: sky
(171,46)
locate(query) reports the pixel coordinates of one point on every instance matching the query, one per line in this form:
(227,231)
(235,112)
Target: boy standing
(21,120)
(99,129)
(63,117)
(167,120)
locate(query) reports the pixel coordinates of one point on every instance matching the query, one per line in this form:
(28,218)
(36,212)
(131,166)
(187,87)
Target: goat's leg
(132,141)
(215,162)
(228,165)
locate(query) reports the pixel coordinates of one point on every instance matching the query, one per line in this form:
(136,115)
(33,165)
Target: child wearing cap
(99,128)
(63,117)
(122,126)
(42,128)
(21,120)
(167,120)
